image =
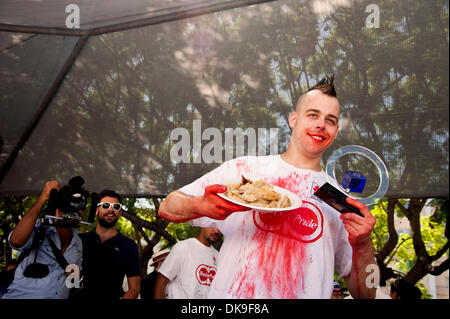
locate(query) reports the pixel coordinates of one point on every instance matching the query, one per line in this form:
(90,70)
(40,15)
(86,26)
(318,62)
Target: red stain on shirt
(274,265)
(242,167)
(298,184)
(277,259)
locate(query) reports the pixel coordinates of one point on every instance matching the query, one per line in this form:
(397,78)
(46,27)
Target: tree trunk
(423,265)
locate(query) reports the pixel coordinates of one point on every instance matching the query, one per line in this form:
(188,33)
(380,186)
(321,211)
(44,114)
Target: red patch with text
(205,274)
(304,224)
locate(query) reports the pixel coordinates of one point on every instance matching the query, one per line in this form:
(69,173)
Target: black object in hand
(336,199)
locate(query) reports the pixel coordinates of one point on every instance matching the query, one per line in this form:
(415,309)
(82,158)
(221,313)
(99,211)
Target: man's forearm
(363,265)
(25,227)
(131,294)
(134,287)
(159,291)
(178,207)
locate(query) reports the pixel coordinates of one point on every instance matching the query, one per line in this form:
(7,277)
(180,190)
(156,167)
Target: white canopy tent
(106,100)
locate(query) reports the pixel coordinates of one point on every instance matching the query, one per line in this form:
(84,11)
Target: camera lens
(77,201)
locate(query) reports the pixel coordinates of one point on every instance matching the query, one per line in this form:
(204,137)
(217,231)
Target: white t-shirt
(276,255)
(190,267)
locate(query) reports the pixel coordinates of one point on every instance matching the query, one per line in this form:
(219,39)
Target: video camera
(70,200)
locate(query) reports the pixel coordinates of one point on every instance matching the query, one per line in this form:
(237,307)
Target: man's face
(212,234)
(314,123)
(108,217)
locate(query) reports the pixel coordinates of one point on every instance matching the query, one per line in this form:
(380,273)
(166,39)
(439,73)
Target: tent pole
(151,19)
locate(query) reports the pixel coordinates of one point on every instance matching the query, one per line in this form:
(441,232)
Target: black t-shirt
(148,284)
(105,265)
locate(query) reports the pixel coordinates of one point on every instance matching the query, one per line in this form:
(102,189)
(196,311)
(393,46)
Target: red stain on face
(314,124)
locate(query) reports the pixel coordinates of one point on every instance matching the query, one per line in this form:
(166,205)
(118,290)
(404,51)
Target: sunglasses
(106,205)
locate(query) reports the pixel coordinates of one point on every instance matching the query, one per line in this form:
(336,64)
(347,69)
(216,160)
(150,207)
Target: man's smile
(317,137)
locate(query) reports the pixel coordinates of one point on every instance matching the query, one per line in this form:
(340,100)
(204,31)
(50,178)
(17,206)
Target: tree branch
(393,236)
(149,225)
(440,252)
(402,208)
(436,271)
(414,209)
(396,249)
(143,234)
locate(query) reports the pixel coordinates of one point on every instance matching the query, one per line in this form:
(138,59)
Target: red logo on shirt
(205,274)
(304,224)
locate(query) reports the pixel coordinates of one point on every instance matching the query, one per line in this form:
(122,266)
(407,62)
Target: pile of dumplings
(258,193)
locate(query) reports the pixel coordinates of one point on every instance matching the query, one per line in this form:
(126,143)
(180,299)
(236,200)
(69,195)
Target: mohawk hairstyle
(326,86)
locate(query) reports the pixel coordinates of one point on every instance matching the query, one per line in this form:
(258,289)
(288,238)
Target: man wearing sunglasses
(109,256)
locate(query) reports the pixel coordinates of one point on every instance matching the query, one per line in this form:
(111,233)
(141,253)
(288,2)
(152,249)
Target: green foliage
(442,209)
(403,257)
(423,290)
(144,209)
(340,280)
(126,228)
(11,209)
(182,231)
(431,232)
(380,233)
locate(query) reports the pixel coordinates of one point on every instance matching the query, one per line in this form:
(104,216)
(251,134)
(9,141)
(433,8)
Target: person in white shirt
(190,267)
(291,254)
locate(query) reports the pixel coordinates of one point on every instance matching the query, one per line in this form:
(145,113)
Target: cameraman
(52,283)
